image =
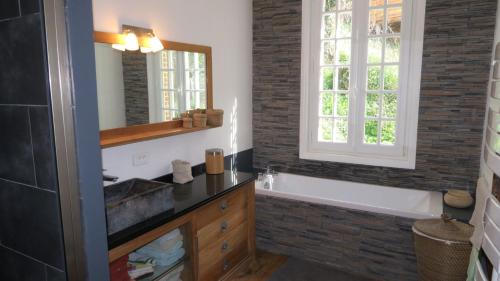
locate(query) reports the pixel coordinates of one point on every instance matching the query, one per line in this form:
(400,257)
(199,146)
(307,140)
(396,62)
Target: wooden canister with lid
(214,161)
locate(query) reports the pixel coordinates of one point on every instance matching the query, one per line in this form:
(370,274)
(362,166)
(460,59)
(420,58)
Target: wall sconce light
(130,42)
(151,43)
(134,38)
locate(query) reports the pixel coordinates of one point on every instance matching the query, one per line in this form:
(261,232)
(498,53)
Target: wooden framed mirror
(141,96)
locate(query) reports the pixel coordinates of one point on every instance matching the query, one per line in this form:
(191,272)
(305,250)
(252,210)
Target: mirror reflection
(136,89)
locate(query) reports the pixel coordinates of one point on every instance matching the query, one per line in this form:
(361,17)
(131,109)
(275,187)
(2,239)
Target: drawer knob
(226,265)
(223,206)
(224,226)
(225,246)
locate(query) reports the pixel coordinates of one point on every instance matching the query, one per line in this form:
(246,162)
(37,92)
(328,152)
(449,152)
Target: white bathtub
(415,204)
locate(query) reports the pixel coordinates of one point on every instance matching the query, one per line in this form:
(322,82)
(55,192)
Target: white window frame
(156,96)
(403,153)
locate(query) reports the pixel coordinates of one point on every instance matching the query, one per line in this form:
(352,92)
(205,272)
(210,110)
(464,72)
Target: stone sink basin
(136,200)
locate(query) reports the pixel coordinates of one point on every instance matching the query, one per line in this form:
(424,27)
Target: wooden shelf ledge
(132,134)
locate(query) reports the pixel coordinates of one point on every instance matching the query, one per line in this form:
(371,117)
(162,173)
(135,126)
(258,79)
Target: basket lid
(445,228)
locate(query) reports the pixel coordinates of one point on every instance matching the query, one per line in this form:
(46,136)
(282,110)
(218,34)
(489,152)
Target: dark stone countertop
(187,197)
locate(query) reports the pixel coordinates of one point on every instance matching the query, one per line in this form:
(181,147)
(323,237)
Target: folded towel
(150,249)
(170,244)
(169,236)
(163,258)
(135,257)
(483,192)
(471,271)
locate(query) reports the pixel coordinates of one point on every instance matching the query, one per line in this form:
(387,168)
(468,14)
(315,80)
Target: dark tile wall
(373,245)
(31,242)
(457,52)
(135,82)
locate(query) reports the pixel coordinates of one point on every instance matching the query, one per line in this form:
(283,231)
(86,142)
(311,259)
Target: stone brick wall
(373,245)
(457,51)
(135,82)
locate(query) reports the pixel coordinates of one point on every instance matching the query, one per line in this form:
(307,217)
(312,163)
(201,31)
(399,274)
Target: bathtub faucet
(269,177)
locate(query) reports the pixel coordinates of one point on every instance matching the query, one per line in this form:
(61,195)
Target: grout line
(19,8)
(28,185)
(24,105)
(32,147)
(30,257)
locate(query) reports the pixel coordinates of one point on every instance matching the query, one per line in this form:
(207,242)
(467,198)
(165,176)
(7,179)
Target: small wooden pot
(187,122)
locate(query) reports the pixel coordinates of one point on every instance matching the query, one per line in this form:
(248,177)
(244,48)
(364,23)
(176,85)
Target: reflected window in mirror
(182,82)
(138,89)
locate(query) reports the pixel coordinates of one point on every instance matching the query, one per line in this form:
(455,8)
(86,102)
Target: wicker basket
(200,120)
(215,117)
(442,247)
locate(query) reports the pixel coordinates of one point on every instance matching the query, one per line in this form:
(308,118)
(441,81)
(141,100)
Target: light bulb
(145,50)
(131,42)
(155,44)
(119,47)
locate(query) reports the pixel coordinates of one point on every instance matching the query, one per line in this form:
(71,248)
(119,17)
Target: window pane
(326,104)
(170,100)
(203,100)
(201,61)
(374,77)
(388,132)
(372,105)
(391,77)
(328,53)
(190,78)
(203,81)
(375,50)
(325,129)
(374,3)
(342,105)
(394,20)
(343,78)
(392,49)
(344,51)
(330,5)
(376,22)
(341,130)
(189,60)
(168,79)
(329,26)
(390,105)
(164,59)
(371,131)
(344,29)
(327,78)
(345,4)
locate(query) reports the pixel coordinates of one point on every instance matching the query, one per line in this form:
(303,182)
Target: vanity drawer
(219,228)
(228,204)
(212,268)
(224,248)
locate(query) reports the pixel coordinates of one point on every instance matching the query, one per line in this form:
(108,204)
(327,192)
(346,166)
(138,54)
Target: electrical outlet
(140,159)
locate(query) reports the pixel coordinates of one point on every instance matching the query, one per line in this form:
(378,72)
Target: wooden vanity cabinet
(225,233)
(220,235)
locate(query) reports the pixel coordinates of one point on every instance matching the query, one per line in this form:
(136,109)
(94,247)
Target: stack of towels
(164,252)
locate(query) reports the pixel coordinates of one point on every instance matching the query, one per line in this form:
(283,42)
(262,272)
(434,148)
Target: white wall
(226,26)
(110,88)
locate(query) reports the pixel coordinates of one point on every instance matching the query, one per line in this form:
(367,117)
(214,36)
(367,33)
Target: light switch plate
(140,159)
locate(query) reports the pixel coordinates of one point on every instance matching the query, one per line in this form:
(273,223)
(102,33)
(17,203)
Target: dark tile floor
(297,270)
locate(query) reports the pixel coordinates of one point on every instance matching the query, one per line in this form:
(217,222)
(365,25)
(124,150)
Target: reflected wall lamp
(134,38)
